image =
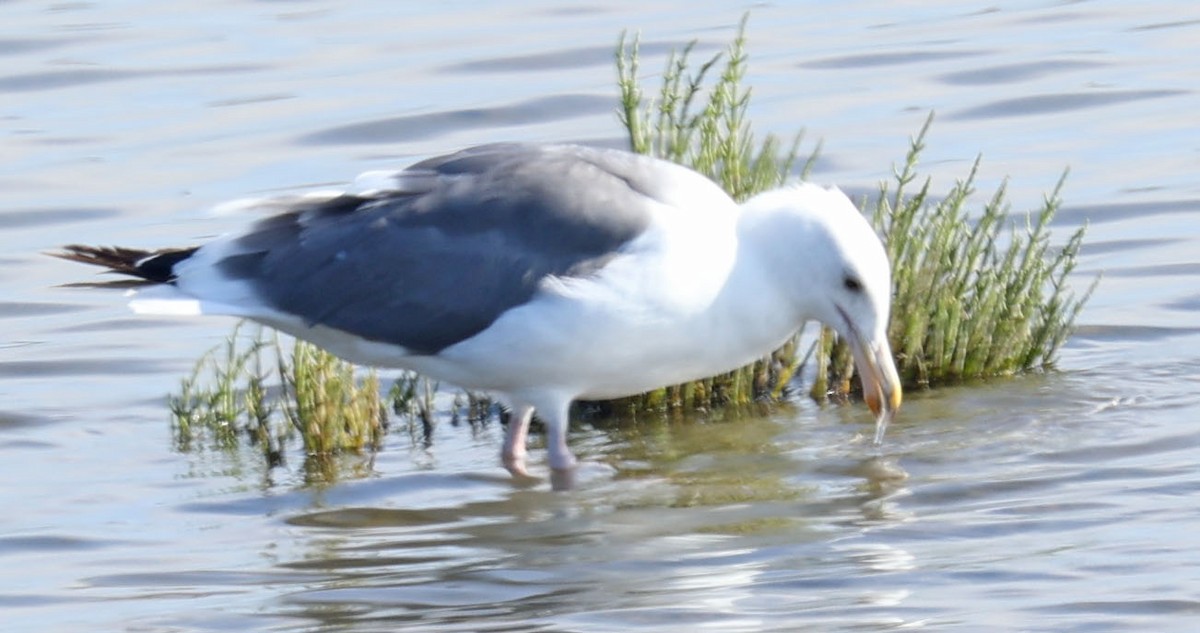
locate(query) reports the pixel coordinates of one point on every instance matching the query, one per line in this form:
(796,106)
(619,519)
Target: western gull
(543,274)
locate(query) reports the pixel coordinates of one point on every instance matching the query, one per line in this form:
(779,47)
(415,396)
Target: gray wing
(470,236)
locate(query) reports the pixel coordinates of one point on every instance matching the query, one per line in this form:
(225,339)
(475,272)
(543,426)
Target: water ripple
(433,124)
(562,59)
(17,46)
(1127,333)
(81,367)
(1075,215)
(1011,73)
(12,310)
(1061,102)
(75,77)
(894,58)
(20,219)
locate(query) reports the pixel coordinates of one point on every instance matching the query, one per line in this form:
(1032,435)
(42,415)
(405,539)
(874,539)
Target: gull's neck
(764,300)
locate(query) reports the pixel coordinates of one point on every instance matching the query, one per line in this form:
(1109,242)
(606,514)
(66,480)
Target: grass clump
(224,400)
(976,294)
(707,130)
(320,398)
(324,400)
(971,300)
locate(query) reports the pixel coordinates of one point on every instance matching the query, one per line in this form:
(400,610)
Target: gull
(543,274)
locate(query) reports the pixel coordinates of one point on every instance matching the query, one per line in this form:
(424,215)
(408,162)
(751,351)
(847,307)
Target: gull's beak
(877,370)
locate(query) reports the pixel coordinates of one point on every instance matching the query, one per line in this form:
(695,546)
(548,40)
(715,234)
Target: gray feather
(438,262)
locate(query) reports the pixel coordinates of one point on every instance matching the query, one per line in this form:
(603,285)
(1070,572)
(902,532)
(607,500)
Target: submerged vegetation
(322,399)
(977,293)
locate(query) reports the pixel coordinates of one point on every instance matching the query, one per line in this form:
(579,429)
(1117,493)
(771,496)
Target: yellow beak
(881,384)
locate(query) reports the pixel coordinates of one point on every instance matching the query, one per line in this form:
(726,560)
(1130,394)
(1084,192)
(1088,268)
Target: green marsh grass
(225,400)
(705,128)
(333,410)
(977,294)
(229,399)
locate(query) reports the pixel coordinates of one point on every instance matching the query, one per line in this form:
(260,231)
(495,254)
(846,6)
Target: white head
(827,254)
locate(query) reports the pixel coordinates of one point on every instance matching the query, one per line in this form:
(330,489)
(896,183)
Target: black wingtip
(156,266)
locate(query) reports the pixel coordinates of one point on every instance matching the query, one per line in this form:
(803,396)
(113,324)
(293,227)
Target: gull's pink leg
(513,453)
(557,422)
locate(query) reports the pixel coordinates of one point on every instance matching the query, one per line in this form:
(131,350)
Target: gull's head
(835,264)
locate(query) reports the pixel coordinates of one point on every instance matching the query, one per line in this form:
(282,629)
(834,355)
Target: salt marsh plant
(333,410)
(229,399)
(224,400)
(706,129)
(977,293)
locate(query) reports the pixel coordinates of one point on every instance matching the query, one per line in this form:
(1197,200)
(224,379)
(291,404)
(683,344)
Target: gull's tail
(154,266)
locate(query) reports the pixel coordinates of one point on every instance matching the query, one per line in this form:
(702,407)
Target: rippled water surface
(1058,503)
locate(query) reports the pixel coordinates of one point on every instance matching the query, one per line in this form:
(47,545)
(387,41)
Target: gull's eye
(852,284)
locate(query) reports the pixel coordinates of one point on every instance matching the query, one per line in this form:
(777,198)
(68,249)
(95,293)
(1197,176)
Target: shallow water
(1057,502)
